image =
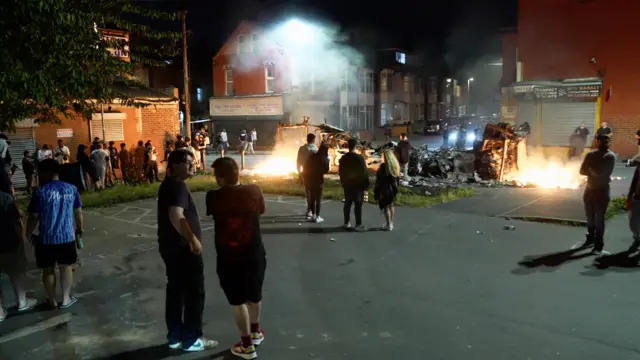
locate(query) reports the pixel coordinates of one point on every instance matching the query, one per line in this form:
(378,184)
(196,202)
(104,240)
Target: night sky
(456,31)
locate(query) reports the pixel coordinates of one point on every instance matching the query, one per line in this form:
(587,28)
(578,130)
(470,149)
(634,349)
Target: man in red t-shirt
(241,263)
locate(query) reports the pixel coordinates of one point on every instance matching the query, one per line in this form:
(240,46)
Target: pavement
(444,284)
(556,204)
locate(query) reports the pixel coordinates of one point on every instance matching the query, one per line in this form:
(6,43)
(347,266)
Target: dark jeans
(185,296)
(152,171)
(315,199)
(355,197)
(596,202)
(29,179)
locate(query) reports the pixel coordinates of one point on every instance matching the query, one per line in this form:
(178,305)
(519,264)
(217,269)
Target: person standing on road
(354,178)
(633,207)
(304,152)
(57,211)
(316,166)
(403,151)
(179,235)
(386,187)
(597,167)
(579,140)
(243,141)
(138,158)
(152,167)
(13,260)
(636,158)
(253,136)
(241,261)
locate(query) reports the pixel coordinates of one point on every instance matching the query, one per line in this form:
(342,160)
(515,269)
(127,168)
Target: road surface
(444,285)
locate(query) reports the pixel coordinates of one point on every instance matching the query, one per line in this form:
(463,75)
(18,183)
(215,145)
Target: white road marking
(43,325)
(521,206)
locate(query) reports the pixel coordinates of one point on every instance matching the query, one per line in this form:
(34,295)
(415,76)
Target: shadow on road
(282,219)
(161,351)
(301,230)
(619,262)
(549,261)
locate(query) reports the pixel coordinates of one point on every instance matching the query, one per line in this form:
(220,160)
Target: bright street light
(298,30)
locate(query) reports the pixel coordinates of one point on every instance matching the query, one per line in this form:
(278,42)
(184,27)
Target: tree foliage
(54,61)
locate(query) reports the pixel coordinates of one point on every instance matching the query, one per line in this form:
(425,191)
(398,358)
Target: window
(228,78)
(255,43)
(386,114)
(384,82)
(366,81)
(365,121)
(270,74)
(244,46)
(417,84)
(401,57)
(199,95)
(113,126)
(407,84)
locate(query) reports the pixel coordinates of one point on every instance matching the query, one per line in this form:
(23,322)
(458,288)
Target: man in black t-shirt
(179,235)
(636,158)
(579,140)
(241,263)
(354,178)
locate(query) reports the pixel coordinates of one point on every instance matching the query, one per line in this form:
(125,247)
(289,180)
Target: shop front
(262,113)
(554,110)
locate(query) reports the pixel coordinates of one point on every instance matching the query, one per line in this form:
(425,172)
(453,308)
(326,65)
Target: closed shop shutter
(559,120)
(23,139)
(113,127)
(528,112)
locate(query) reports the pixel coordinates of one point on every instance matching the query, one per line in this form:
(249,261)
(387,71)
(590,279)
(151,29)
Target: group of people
(241,256)
(313,164)
(246,140)
(579,139)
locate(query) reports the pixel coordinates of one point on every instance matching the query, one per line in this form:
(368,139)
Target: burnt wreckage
(493,156)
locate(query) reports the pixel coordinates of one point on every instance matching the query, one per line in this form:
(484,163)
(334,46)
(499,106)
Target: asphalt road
(444,285)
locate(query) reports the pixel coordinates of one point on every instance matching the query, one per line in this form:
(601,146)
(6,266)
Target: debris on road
(509,227)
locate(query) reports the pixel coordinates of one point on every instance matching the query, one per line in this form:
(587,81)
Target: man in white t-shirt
(61,153)
(253,138)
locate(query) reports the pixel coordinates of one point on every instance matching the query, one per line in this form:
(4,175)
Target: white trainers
(201,344)
(347,226)
(309,215)
(318,219)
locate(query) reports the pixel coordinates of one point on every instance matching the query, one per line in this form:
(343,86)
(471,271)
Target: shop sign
(253,106)
(64,133)
(509,112)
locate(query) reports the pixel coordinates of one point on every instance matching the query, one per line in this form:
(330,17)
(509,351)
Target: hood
(311,147)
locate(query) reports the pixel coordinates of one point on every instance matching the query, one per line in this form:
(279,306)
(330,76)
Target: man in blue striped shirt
(56,206)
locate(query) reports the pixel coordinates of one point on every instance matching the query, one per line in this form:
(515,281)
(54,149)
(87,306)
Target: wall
(249,68)
(509,57)
(156,123)
(571,34)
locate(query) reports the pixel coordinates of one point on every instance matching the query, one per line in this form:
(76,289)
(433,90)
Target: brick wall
(156,123)
(560,28)
(249,68)
(159,124)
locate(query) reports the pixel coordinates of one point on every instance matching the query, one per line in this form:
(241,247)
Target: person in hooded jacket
(304,152)
(316,166)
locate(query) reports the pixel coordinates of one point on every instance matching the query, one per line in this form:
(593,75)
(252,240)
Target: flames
(276,165)
(548,174)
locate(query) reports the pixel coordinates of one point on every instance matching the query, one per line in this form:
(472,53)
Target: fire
(276,165)
(547,174)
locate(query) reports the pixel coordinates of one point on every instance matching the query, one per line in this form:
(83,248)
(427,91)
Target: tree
(53,59)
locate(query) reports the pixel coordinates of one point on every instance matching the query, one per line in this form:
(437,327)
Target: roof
(141,93)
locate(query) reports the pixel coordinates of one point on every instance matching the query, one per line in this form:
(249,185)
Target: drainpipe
(102,117)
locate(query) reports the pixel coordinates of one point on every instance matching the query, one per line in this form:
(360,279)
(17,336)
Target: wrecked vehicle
(498,154)
(292,136)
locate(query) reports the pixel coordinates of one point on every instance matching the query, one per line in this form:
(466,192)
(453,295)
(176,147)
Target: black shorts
(47,256)
(242,281)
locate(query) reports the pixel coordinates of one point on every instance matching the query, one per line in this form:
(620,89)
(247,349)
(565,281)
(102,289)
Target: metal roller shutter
(559,120)
(113,128)
(528,112)
(23,139)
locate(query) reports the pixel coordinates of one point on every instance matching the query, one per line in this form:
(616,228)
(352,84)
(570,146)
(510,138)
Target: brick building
(157,122)
(564,65)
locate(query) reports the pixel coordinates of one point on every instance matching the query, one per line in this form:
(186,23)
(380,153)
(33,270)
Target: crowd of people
(313,163)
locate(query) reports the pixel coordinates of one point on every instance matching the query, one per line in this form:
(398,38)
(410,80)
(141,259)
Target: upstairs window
(228,78)
(270,75)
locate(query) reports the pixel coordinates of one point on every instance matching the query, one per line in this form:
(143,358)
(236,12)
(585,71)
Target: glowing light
(548,175)
(298,30)
(276,166)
